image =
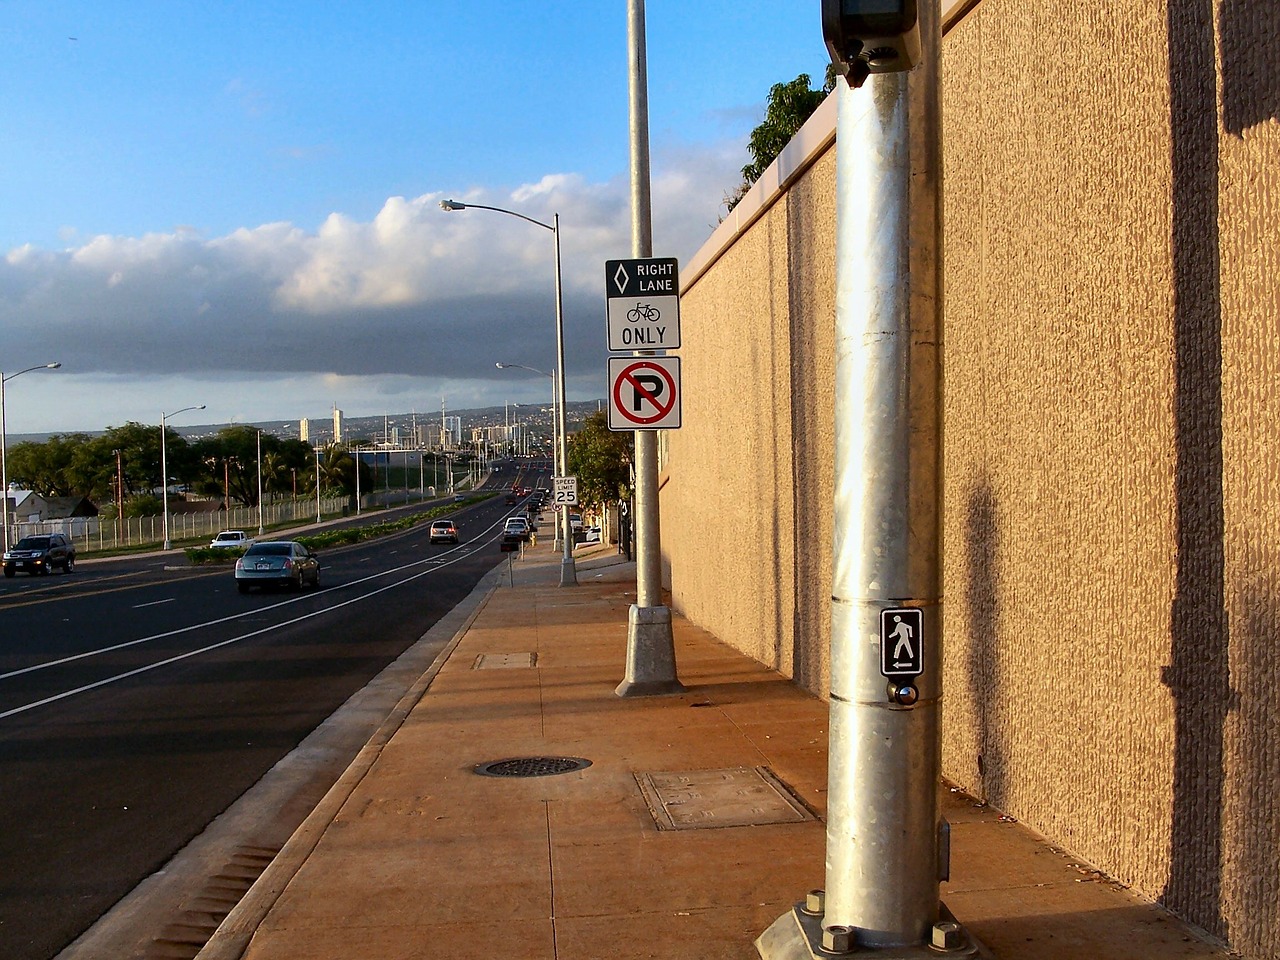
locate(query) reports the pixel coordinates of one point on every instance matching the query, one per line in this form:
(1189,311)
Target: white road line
(235,616)
(211,647)
(154,603)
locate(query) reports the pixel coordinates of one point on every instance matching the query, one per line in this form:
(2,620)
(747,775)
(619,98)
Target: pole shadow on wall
(982,620)
(1250,38)
(1198,673)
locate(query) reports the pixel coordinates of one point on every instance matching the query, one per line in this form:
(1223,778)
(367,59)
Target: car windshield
(32,543)
(269,550)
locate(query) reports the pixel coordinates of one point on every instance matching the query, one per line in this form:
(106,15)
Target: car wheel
(242,586)
(70,565)
(44,570)
(8,571)
(315,584)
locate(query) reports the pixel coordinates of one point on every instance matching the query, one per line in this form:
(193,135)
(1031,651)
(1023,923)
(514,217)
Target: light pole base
(651,654)
(800,935)
(568,572)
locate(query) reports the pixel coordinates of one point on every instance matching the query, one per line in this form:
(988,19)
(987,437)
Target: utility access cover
(732,797)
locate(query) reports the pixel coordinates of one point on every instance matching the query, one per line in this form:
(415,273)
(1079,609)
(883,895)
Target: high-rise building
(304,430)
(337,425)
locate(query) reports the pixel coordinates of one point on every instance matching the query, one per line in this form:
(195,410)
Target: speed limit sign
(565,491)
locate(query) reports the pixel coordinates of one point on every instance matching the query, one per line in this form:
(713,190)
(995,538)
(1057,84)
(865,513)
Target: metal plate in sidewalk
(505,661)
(731,797)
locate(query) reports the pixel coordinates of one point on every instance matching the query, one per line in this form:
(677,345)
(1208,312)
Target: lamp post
(261,527)
(317,484)
(568,571)
(4,442)
(164,467)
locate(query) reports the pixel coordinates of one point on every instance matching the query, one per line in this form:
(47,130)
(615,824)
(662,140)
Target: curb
(234,934)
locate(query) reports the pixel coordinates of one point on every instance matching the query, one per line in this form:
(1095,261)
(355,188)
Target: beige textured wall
(748,515)
(1112,537)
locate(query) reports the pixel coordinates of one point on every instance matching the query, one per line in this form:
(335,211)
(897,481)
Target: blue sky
(236,203)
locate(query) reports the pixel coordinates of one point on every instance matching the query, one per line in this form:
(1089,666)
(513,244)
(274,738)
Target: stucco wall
(1112,441)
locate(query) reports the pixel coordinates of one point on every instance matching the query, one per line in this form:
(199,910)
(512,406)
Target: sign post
(647,323)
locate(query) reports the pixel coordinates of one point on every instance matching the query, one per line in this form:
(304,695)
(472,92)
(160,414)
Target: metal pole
(558,467)
(651,657)
(317,484)
(887,848)
(4,467)
(261,529)
(164,483)
(355,455)
(568,570)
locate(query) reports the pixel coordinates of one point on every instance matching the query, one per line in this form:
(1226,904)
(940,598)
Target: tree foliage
(225,465)
(601,460)
(787,108)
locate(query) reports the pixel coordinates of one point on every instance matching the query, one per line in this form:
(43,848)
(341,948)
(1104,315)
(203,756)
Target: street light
(4,442)
(557,467)
(568,571)
(164,467)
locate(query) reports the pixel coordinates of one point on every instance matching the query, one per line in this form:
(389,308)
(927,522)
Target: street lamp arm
(38,366)
(452,205)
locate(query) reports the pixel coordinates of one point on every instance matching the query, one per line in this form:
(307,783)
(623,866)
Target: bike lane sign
(643,303)
(644,393)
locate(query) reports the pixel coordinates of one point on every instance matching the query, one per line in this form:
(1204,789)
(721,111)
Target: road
(138,701)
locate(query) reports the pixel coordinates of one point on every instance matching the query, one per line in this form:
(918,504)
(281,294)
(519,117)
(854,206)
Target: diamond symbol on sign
(621,277)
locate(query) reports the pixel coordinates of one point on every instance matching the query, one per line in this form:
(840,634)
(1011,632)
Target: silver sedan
(277,563)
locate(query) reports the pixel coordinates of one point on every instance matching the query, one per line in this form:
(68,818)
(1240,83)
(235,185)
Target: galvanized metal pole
(651,657)
(887,847)
(568,569)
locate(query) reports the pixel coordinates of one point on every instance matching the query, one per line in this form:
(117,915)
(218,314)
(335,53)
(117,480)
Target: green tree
(601,460)
(787,108)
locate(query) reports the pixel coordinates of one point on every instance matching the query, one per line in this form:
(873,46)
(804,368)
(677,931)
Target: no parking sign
(644,393)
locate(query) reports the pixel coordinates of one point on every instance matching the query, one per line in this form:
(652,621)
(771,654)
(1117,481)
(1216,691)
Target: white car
(516,527)
(231,538)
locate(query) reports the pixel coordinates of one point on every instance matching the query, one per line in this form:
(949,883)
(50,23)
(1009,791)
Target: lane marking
(250,613)
(153,603)
(213,646)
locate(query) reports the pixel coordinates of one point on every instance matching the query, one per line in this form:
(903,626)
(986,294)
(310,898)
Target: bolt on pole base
(651,654)
(800,935)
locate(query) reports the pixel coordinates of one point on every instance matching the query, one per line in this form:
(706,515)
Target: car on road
(231,538)
(40,554)
(283,563)
(443,531)
(517,527)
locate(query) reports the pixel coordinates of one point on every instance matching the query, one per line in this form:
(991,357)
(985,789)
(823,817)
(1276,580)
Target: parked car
(443,531)
(277,563)
(517,526)
(40,554)
(231,538)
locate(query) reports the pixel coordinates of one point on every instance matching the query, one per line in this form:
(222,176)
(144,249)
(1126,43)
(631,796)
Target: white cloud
(414,296)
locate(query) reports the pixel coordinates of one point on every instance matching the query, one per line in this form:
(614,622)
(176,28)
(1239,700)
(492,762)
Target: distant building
(337,425)
(304,430)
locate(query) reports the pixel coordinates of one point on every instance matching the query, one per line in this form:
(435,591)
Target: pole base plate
(798,935)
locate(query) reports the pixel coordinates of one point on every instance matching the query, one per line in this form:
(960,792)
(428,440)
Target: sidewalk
(415,855)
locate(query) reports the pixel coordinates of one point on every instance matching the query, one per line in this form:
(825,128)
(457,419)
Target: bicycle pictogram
(644,311)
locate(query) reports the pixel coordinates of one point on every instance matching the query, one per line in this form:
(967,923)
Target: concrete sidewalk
(416,855)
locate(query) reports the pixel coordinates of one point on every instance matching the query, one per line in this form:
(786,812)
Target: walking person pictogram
(902,632)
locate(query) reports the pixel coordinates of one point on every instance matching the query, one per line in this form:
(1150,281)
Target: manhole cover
(532,766)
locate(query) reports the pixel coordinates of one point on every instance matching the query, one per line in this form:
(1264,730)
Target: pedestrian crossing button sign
(902,642)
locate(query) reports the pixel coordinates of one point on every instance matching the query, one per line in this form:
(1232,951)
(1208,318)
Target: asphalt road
(138,702)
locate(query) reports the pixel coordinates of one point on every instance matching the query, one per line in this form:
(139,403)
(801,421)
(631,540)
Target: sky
(236,204)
